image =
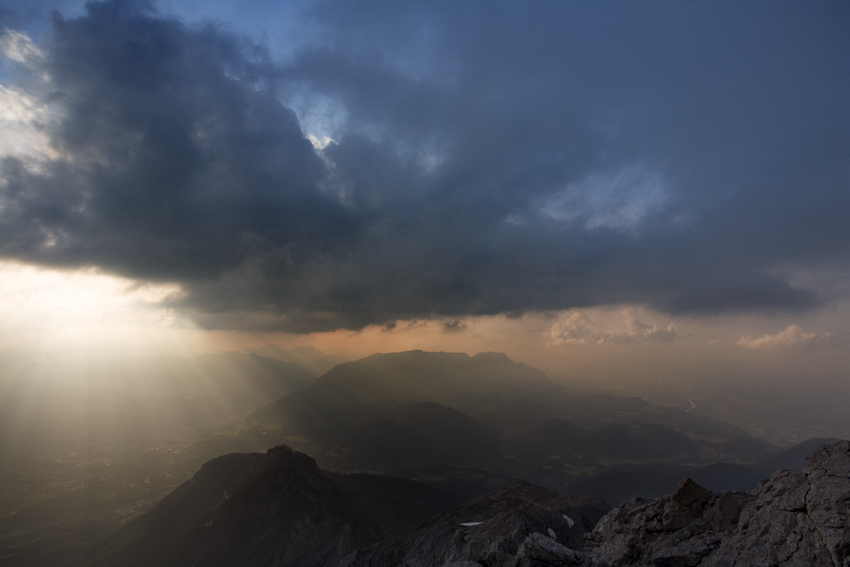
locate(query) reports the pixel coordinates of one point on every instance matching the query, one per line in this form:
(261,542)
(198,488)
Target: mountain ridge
(285,512)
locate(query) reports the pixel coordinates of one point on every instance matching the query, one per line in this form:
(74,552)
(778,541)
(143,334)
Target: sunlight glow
(55,309)
(32,297)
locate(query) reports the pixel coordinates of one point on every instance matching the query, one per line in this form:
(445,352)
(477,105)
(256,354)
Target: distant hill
(410,409)
(624,440)
(416,435)
(352,417)
(451,379)
(309,358)
(619,483)
(488,386)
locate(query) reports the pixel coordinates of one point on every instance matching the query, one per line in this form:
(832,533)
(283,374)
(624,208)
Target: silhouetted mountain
(276,508)
(348,418)
(459,425)
(451,379)
(391,410)
(309,358)
(153,538)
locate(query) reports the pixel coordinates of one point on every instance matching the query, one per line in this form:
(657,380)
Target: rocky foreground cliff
(280,510)
(519,521)
(792,519)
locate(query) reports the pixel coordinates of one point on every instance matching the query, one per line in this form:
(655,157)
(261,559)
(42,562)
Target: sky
(596,188)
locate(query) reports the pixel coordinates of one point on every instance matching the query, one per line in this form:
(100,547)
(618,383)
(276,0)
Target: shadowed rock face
(260,510)
(793,519)
(796,518)
(679,529)
(280,510)
(289,515)
(501,528)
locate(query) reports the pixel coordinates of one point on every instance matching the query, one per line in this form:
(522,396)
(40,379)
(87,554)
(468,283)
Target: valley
(78,462)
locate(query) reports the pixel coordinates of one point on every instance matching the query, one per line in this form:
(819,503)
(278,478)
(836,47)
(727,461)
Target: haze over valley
(91,444)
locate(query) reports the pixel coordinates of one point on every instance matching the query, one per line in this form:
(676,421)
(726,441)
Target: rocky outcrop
(680,529)
(518,525)
(289,515)
(273,509)
(796,518)
(793,519)
(280,510)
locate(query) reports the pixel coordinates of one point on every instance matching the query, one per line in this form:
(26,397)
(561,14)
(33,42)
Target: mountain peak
(489,355)
(283,455)
(248,509)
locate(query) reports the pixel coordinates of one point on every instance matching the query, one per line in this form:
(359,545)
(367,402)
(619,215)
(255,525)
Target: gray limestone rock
(279,509)
(499,527)
(680,529)
(539,550)
(796,518)
(793,519)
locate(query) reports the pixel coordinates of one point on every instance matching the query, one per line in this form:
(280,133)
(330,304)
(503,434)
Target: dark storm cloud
(178,160)
(487,158)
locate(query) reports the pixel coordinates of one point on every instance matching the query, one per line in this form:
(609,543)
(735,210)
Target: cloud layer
(476,158)
(575,327)
(792,337)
